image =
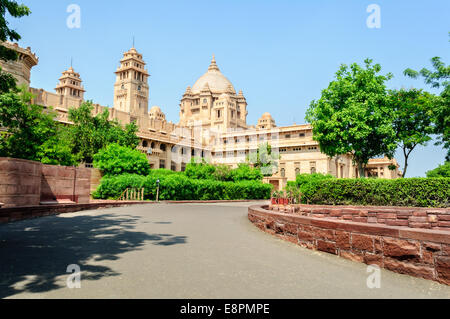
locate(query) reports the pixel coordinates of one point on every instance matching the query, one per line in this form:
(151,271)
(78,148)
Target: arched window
(297,171)
(283,172)
(153,145)
(162,147)
(144,143)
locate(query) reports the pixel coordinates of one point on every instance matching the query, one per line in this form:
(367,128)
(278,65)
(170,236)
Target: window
(173,166)
(205,101)
(218,114)
(139,87)
(301,135)
(162,147)
(162,164)
(144,143)
(288,136)
(283,172)
(297,171)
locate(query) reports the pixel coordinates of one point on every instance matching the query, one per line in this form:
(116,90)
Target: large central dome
(216,81)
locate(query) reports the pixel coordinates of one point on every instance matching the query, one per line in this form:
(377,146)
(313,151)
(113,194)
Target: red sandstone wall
(414,217)
(422,253)
(27,183)
(62,182)
(20,182)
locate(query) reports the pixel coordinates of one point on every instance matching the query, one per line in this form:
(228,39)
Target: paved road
(179,251)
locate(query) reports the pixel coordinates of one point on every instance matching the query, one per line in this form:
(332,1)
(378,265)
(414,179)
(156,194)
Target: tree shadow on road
(34,253)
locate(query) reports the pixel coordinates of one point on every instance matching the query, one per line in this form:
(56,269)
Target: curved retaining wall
(418,252)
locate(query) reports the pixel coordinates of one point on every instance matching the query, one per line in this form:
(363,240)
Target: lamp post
(157,190)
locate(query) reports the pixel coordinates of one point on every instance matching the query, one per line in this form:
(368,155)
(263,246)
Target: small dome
(266,116)
(155,109)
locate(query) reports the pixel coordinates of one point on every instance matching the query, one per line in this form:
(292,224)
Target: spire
(213,66)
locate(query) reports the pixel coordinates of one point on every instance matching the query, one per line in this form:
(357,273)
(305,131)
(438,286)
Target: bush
(222,172)
(419,192)
(117,160)
(440,171)
(180,187)
(307,182)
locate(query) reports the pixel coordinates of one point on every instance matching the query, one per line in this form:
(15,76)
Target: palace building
(213,122)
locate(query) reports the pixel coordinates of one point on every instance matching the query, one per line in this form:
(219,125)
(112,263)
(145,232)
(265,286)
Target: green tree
(118,160)
(57,150)
(27,126)
(89,134)
(438,78)
(440,171)
(264,159)
(353,117)
(412,120)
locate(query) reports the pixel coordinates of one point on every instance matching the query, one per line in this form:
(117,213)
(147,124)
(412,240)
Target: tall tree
(438,78)
(352,115)
(27,126)
(412,120)
(90,134)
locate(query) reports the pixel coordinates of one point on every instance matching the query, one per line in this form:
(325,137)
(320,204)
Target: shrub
(420,192)
(117,160)
(440,171)
(222,172)
(180,187)
(307,182)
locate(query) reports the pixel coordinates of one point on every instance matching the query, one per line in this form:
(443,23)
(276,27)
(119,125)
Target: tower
(131,90)
(70,89)
(70,85)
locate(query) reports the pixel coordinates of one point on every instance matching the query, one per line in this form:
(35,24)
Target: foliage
(438,78)
(353,116)
(92,133)
(57,150)
(7,82)
(306,182)
(440,171)
(28,127)
(180,187)
(223,173)
(264,159)
(15,10)
(117,160)
(412,120)
(418,192)
(245,172)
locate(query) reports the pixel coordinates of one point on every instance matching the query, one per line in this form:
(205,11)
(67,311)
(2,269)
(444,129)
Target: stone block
(401,249)
(362,242)
(326,246)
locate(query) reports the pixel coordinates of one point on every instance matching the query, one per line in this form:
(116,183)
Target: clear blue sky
(280,53)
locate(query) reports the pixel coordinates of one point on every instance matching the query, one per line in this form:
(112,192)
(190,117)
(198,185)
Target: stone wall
(28,183)
(20,182)
(65,183)
(417,252)
(414,217)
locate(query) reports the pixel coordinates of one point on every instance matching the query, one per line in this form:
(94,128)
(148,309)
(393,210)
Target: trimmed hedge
(180,187)
(419,192)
